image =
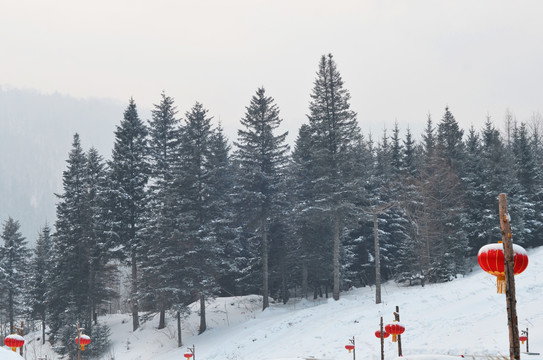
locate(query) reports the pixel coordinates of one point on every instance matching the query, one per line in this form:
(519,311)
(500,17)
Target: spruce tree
(334,132)
(261,155)
(99,241)
(68,295)
(128,176)
(40,268)
(164,140)
(14,258)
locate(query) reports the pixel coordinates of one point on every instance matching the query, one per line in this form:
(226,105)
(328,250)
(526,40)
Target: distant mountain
(36,132)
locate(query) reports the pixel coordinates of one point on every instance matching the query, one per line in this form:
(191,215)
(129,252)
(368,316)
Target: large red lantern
(188,355)
(83,340)
(378,334)
(523,338)
(396,328)
(349,347)
(491,260)
(14,341)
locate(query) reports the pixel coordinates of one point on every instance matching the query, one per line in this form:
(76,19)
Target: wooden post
(21,332)
(354,349)
(525,332)
(508,254)
(382,340)
(397,318)
(192,351)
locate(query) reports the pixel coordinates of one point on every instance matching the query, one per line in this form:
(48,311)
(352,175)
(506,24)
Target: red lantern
(491,260)
(523,338)
(349,347)
(83,340)
(14,341)
(378,334)
(395,329)
(188,355)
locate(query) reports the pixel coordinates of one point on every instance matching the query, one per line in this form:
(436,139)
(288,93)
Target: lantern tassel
(501,284)
(14,349)
(394,338)
(82,347)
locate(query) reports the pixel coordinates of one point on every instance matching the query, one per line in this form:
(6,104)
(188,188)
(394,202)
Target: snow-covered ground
(443,321)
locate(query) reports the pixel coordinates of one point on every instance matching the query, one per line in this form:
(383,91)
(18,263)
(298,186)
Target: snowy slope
(7,354)
(464,317)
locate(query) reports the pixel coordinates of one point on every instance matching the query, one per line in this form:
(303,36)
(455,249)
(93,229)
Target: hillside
(463,317)
(36,134)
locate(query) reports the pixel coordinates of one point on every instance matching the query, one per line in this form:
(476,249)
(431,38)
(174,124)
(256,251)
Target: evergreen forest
(178,213)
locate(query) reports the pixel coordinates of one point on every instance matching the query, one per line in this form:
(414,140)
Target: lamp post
(351,347)
(191,353)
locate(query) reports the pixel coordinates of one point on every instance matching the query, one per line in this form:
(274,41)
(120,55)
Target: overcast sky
(400,60)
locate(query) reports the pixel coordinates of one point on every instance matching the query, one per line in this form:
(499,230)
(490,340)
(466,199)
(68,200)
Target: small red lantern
(523,338)
(491,260)
(83,340)
(395,329)
(378,334)
(349,347)
(14,341)
(188,355)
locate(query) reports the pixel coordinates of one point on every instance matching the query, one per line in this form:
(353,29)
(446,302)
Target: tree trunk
(284,290)
(11,312)
(162,317)
(377,260)
(304,279)
(134,301)
(43,330)
(179,342)
(265,300)
(336,258)
(203,325)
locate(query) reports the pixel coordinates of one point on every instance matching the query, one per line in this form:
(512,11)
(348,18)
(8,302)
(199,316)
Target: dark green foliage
(127,193)
(261,156)
(79,250)
(13,271)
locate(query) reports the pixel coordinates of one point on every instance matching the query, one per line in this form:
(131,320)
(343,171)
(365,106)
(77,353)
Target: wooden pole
(512,321)
(21,332)
(397,318)
(525,333)
(382,340)
(354,349)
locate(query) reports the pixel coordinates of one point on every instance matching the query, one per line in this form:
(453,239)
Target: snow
(8,354)
(443,321)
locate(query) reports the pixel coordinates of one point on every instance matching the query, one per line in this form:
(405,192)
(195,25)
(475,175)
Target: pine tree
(129,173)
(262,157)
(13,265)
(99,241)
(40,268)
(223,225)
(524,199)
(334,133)
(68,279)
(312,237)
(164,141)
(443,203)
